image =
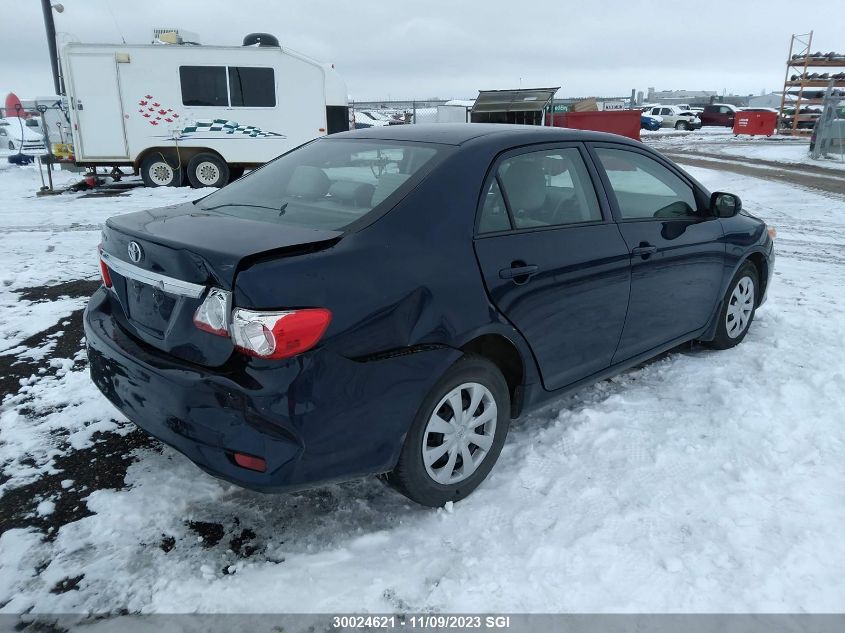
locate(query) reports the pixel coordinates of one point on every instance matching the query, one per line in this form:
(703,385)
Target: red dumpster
(755,123)
(624,122)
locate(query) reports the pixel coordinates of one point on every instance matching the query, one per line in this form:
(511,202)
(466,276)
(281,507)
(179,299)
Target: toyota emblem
(136,253)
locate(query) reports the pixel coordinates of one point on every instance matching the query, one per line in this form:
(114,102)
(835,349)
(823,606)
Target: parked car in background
(675,117)
(365,119)
(355,308)
(718,115)
(807,117)
(650,122)
(20,141)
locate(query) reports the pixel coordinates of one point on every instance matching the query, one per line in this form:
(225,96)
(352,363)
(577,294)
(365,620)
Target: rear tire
(161,170)
(738,308)
(447,455)
(208,170)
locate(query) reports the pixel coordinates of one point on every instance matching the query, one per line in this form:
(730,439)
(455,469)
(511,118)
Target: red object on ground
(755,123)
(623,122)
(12,102)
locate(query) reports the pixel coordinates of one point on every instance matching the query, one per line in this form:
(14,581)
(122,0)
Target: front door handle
(644,250)
(517,271)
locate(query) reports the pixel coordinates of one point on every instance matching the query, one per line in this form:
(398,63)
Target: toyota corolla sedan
(386,301)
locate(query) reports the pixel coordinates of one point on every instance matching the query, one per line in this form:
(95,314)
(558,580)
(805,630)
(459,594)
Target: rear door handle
(526,270)
(644,250)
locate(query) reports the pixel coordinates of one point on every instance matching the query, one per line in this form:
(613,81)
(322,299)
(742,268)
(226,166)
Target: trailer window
(203,85)
(252,87)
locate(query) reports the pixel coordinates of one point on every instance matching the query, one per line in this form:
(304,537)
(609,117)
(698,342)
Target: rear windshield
(327,184)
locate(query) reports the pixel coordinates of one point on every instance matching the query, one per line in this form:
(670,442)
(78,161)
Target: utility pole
(50,27)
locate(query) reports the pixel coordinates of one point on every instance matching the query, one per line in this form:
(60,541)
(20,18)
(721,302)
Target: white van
(200,114)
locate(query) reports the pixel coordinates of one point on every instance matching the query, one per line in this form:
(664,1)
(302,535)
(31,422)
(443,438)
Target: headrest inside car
(308,182)
(525,183)
(387,184)
(357,193)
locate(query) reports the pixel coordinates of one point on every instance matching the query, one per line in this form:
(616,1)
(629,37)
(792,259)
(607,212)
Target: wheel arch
(184,154)
(505,354)
(760,263)
(759,260)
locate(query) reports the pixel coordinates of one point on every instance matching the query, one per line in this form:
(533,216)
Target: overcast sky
(438,48)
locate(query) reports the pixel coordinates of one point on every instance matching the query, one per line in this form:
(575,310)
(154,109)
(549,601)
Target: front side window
(644,188)
(204,86)
(252,87)
(547,188)
(327,184)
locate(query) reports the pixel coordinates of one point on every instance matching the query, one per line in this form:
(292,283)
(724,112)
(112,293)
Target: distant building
(771,100)
(680,96)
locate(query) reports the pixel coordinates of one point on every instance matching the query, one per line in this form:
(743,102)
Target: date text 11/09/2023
(426,621)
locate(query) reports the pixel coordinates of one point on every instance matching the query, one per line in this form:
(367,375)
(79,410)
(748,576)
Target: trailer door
(96,101)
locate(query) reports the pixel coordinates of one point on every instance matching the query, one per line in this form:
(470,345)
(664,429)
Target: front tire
(456,436)
(738,308)
(682,125)
(207,170)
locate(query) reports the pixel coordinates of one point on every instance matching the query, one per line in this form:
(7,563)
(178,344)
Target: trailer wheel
(207,170)
(160,170)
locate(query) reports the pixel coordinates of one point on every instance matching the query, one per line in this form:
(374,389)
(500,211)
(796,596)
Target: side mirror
(725,205)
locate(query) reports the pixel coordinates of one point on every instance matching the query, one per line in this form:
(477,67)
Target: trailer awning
(522,100)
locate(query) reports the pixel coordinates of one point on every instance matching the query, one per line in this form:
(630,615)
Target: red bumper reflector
(250,462)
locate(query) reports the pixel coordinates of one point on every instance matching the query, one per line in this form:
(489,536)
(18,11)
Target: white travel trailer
(197,113)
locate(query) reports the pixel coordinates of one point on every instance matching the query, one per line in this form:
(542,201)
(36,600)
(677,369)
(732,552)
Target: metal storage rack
(800,62)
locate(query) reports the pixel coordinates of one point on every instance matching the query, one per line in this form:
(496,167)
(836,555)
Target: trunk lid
(177,253)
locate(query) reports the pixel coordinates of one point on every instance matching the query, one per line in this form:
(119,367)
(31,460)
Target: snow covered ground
(720,142)
(701,482)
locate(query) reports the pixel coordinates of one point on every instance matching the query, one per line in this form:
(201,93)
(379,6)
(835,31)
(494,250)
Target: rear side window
(327,184)
(203,85)
(252,87)
(644,188)
(547,188)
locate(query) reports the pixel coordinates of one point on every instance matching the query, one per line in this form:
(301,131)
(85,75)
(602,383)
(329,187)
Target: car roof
(460,133)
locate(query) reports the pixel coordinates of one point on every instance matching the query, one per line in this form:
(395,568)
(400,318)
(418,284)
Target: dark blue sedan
(650,123)
(385,301)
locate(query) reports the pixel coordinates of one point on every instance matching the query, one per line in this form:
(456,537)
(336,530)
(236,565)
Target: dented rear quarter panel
(409,279)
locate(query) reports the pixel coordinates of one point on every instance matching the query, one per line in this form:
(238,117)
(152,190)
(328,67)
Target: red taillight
(278,334)
(104,270)
(250,462)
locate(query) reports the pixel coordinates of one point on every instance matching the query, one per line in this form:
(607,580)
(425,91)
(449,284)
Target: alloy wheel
(459,433)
